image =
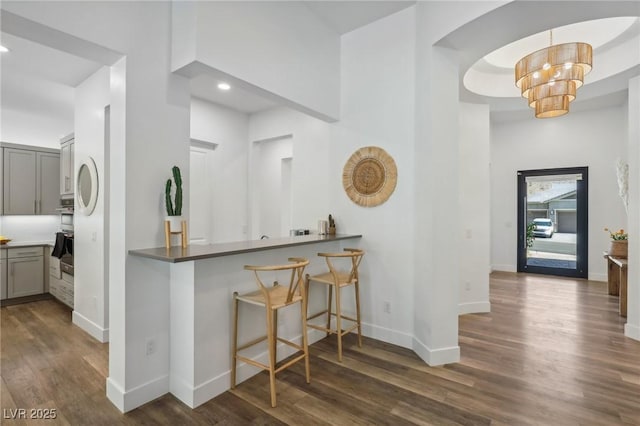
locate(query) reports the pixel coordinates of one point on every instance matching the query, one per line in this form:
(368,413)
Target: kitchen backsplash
(29,228)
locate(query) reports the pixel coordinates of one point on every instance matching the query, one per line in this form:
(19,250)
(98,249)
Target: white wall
(632,328)
(269,203)
(27,128)
(475,216)
(595,139)
(275,47)
(228,174)
(91,305)
(377,107)
(310,182)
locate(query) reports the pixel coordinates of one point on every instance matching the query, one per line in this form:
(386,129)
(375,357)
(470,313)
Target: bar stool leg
(305,339)
(329,311)
(357,289)
(272,358)
(306,302)
(234,359)
(339,323)
(275,334)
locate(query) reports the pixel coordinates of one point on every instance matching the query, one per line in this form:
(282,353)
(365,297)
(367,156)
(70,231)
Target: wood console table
(617,280)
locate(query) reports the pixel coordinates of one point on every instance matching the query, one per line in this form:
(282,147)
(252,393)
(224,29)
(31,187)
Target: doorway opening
(552,221)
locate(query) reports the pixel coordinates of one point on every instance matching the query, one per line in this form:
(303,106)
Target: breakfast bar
(202,280)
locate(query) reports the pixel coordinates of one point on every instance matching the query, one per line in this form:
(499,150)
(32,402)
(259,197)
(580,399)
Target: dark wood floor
(551,352)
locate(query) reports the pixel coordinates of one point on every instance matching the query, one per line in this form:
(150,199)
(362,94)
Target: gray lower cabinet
(60,283)
(25,271)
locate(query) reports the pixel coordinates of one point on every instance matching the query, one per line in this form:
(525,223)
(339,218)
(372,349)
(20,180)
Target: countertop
(21,244)
(197,252)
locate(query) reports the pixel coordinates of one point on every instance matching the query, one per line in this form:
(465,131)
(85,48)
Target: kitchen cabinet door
(48,168)
(19,175)
(67,168)
(25,276)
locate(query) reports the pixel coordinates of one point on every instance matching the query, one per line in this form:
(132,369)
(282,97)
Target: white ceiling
(38,78)
(346,16)
(615,44)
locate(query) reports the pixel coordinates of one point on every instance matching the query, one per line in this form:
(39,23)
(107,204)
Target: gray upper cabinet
(19,181)
(47,170)
(30,179)
(66,167)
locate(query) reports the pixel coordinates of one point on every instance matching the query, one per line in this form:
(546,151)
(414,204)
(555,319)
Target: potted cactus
(174,209)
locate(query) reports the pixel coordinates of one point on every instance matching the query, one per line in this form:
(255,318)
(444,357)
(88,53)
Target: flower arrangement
(619,235)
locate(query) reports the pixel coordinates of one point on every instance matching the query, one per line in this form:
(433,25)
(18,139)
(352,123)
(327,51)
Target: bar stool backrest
(296,281)
(356,258)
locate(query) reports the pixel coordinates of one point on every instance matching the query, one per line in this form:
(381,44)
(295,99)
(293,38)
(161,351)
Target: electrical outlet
(150,346)
(387,307)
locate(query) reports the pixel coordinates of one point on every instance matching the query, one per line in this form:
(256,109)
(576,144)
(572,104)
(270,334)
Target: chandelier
(550,77)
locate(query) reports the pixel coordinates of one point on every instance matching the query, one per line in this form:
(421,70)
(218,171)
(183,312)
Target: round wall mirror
(87,186)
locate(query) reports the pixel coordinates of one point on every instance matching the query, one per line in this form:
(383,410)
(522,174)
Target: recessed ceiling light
(3,49)
(224,86)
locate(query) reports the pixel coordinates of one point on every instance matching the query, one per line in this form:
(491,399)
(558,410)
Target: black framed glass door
(553,221)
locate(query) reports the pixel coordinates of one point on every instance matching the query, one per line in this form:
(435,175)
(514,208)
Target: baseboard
(435,357)
(474,308)
(140,395)
(504,268)
(97,332)
(598,277)
(387,335)
(632,331)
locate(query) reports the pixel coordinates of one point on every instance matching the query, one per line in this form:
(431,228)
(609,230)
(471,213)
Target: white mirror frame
(93,198)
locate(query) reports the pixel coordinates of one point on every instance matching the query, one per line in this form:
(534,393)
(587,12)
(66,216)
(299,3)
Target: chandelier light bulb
(568,65)
(546,66)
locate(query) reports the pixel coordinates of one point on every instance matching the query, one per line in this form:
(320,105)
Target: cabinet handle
(35,206)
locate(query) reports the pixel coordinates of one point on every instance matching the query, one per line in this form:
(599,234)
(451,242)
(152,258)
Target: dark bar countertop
(197,252)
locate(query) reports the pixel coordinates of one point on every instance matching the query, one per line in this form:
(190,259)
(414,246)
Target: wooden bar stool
(272,299)
(339,279)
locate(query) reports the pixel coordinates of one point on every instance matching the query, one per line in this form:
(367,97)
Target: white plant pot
(175,223)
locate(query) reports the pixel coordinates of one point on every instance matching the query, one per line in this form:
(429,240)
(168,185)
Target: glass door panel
(552,222)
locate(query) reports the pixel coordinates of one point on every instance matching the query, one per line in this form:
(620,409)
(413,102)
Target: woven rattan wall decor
(369,177)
